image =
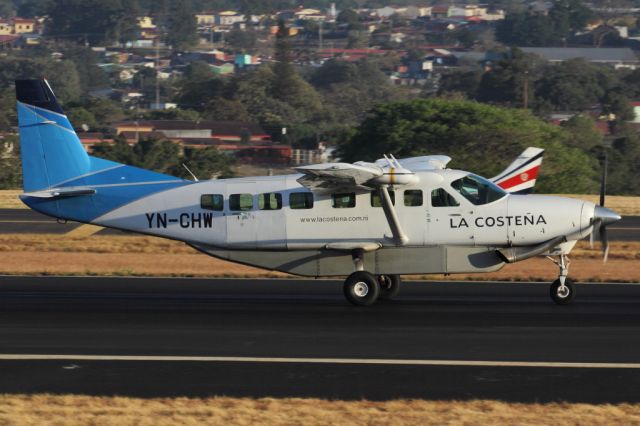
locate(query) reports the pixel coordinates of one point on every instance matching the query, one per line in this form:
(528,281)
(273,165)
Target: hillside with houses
(274,87)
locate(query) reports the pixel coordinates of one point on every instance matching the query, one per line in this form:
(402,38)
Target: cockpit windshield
(478,190)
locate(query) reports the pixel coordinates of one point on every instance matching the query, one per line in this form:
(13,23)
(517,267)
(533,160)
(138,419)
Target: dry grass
(33,254)
(139,244)
(126,244)
(9,199)
(69,410)
(623,205)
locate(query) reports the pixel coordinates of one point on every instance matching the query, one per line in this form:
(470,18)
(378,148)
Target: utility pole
(157,74)
(525,89)
(320,34)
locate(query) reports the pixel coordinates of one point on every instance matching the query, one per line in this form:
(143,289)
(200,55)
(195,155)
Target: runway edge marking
(276,360)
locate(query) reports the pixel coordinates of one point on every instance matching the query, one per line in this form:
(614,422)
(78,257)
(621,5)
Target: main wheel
(563,296)
(361,288)
(389,286)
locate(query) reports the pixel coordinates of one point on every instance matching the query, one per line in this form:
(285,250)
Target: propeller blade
(605,243)
(595,233)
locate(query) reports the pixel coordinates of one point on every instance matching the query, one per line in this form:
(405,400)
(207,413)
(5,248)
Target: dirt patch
(84,410)
(148,256)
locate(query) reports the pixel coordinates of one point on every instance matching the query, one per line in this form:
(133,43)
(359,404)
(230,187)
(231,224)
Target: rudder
(51,151)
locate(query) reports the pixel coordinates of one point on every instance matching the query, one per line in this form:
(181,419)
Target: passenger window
(344,201)
(240,202)
(212,202)
(441,198)
(413,197)
(270,201)
(376,201)
(301,200)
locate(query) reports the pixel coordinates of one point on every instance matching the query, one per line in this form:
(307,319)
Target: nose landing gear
(562,290)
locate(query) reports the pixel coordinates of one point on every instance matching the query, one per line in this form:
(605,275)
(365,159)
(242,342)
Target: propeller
(602,216)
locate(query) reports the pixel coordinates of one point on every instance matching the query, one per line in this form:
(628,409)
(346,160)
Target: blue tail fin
(51,151)
(60,178)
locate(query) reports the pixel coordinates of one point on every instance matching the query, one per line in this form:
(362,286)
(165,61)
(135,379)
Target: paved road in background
(13,221)
(301,338)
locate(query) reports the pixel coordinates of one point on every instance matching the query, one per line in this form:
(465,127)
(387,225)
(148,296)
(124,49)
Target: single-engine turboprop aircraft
(370,221)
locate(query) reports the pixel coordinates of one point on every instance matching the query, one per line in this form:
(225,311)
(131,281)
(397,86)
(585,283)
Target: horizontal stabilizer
(61,192)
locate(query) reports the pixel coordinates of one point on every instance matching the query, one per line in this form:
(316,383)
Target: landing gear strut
(562,290)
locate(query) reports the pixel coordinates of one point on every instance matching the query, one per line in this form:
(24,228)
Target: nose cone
(605,215)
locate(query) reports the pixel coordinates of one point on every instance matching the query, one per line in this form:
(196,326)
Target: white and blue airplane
(371,222)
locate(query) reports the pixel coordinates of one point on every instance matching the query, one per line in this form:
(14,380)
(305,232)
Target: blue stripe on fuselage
(115,185)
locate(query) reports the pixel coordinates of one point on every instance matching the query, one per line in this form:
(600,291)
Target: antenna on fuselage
(190,172)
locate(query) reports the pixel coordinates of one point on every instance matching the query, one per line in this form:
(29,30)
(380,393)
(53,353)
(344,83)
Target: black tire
(566,298)
(389,286)
(361,288)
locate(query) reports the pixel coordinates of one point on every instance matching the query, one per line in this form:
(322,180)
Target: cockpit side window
(478,190)
(441,198)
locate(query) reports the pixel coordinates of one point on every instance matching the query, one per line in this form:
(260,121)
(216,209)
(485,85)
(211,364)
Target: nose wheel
(562,294)
(562,290)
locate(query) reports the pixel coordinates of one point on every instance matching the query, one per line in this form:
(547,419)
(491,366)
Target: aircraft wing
(422,163)
(330,177)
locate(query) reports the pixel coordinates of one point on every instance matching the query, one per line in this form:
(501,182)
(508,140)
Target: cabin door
(240,210)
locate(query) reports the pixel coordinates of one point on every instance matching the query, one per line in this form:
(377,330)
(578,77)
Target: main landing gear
(362,288)
(562,290)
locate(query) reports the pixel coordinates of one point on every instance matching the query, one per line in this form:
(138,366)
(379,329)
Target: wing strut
(399,236)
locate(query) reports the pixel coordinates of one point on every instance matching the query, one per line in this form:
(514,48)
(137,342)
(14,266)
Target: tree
(615,102)
(181,26)
(33,8)
(10,168)
(582,133)
(205,163)
(198,86)
(467,131)
(7,9)
(81,119)
(537,29)
(349,90)
(223,109)
(8,114)
(242,40)
(349,17)
(283,69)
(510,79)
(164,156)
(96,21)
(574,85)
(460,81)
(120,152)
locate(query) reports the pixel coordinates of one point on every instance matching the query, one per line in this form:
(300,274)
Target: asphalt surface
(14,221)
(244,329)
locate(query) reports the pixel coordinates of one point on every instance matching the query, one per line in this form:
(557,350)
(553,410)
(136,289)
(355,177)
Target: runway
(14,221)
(300,338)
